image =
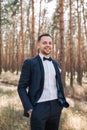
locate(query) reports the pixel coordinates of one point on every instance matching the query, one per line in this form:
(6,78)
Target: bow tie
(49,59)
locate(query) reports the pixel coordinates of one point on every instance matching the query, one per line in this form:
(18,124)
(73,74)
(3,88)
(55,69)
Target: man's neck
(47,56)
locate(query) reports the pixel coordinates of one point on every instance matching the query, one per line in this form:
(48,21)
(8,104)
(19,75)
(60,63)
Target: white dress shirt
(50,89)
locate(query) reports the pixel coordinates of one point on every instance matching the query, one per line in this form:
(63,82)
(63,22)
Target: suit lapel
(41,69)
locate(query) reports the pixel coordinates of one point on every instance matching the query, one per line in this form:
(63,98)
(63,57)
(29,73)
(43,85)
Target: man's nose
(48,44)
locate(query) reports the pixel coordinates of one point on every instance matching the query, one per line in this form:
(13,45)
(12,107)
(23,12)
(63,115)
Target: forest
(21,22)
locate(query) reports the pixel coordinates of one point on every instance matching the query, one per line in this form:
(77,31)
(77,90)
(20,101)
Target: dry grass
(11,110)
(10,78)
(11,119)
(75,121)
(11,114)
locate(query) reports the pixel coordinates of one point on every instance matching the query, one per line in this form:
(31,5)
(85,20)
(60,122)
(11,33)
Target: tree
(22,31)
(0,41)
(79,67)
(39,18)
(84,17)
(22,22)
(62,49)
(32,43)
(71,45)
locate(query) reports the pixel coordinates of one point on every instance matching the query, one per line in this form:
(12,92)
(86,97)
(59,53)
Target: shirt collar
(41,56)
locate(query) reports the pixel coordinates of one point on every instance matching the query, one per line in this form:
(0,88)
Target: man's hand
(30,113)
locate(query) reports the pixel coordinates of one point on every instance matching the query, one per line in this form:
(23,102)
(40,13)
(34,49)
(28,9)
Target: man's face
(45,45)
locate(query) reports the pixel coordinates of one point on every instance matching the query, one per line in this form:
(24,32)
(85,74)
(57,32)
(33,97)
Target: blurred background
(21,22)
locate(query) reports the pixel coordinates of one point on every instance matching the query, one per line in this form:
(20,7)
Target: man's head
(44,44)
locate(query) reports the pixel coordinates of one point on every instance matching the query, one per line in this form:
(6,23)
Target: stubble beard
(46,53)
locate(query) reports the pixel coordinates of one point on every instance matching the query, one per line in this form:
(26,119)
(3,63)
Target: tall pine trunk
(32,31)
(39,18)
(0,42)
(79,68)
(84,17)
(71,46)
(62,49)
(22,32)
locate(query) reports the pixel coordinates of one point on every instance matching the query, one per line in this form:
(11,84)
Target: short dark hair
(45,34)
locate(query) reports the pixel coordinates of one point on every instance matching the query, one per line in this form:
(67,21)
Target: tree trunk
(0,42)
(84,18)
(62,49)
(32,33)
(39,18)
(22,32)
(28,35)
(6,54)
(71,46)
(13,36)
(79,67)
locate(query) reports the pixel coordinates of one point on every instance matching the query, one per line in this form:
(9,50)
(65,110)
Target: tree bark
(84,18)
(62,49)
(0,42)
(71,46)
(32,31)
(22,32)
(79,67)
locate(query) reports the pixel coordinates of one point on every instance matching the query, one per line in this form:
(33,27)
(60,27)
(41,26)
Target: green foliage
(9,9)
(14,2)
(56,16)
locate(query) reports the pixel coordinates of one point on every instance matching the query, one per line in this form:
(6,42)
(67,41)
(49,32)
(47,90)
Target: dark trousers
(46,116)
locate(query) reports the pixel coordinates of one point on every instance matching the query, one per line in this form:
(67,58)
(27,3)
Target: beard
(44,52)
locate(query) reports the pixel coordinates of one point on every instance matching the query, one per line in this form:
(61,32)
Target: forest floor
(11,110)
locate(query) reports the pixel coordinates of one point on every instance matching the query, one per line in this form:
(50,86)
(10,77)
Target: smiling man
(44,100)
(45,45)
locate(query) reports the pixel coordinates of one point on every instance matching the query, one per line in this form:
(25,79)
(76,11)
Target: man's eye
(44,43)
(50,43)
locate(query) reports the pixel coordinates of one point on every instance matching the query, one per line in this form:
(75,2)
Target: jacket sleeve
(62,99)
(23,84)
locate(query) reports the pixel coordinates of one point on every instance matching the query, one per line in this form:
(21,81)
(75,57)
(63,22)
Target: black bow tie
(49,59)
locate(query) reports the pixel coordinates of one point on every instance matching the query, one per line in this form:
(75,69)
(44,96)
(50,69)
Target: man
(44,98)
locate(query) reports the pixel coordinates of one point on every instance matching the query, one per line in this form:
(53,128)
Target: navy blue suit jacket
(31,83)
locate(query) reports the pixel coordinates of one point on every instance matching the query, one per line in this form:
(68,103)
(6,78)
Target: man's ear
(37,46)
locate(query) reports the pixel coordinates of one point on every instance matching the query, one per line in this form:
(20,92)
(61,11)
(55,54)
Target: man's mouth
(47,49)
